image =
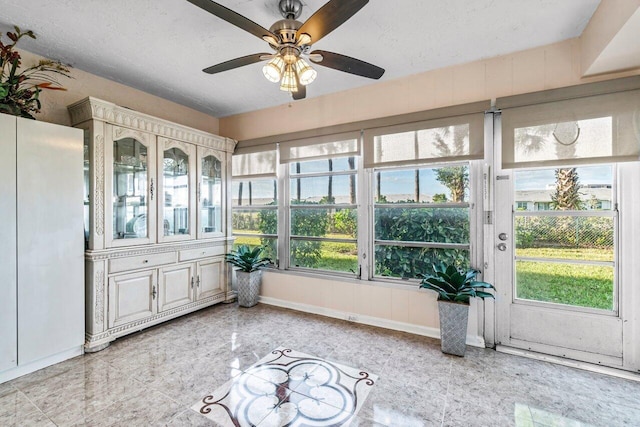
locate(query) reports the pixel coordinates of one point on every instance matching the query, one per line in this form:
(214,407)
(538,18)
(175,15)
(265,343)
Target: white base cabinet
(157,219)
(132,297)
(41,245)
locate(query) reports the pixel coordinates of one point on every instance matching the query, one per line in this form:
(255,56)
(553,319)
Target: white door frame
(598,328)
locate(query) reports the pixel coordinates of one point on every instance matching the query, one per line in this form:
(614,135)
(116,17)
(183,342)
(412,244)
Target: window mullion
(283,216)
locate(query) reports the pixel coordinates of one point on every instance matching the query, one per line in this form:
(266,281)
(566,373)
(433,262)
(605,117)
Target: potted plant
(249,274)
(454,287)
(20,89)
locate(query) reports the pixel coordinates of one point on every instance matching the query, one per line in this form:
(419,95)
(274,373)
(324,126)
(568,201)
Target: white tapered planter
(454,318)
(248,287)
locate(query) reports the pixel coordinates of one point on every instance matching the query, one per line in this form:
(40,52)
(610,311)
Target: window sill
(324,275)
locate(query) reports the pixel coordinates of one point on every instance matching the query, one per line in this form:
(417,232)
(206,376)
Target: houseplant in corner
(249,274)
(455,288)
(20,89)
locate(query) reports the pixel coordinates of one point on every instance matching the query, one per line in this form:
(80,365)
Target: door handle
(503,236)
(502,247)
(198,281)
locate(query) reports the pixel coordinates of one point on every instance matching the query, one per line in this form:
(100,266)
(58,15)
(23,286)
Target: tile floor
(153,378)
(290,388)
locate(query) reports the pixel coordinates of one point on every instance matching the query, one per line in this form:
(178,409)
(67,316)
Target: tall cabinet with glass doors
(156,219)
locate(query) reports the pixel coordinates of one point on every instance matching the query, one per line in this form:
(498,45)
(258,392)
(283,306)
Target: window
(255,200)
(383,203)
(565,253)
(323,214)
(422,213)
(421,217)
(323,203)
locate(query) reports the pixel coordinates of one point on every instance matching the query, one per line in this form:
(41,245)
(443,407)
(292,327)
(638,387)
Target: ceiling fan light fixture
(273,69)
(271,40)
(288,83)
(306,74)
(303,39)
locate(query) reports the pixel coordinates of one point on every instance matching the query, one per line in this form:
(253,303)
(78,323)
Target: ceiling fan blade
(302,90)
(347,64)
(329,17)
(233,18)
(235,63)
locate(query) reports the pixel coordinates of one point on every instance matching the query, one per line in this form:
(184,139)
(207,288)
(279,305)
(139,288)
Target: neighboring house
(595,196)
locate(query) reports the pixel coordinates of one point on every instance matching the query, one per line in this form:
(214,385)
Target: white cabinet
(176,286)
(42,286)
(132,297)
(209,281)
(157,219)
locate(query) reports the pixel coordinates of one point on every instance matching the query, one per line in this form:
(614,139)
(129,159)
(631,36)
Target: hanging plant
(20,89)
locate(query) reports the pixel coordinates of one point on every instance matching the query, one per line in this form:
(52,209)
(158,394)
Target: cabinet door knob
(145,261)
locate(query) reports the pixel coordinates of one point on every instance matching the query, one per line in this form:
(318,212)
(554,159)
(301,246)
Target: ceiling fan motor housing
(290,9)
(286,29)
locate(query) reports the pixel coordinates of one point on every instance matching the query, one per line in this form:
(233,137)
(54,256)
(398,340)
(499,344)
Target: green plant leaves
(455,285)
(20,88)
(247,259)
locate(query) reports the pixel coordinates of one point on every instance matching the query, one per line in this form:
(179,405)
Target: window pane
(332,223)
(340,164)
(263,221)
(324,190)
(565,237)
(572,284)
(269,245)
(438,225)
(439,185)
(568,140)
(447,141)
(581,188)
(324,255)
(255,192)
(400,261)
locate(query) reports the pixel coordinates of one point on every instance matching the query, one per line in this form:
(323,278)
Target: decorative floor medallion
(289,388)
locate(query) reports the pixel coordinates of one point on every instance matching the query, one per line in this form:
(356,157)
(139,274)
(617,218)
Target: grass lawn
(573,284)
(589,254)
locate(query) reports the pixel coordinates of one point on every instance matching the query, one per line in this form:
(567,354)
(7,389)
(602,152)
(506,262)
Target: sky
(401,182)
(540,178)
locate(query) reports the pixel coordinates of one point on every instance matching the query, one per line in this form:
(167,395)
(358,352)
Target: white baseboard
(472,340)
(19,371)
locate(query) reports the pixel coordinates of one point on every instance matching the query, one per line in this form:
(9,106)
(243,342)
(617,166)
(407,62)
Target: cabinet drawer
(132,263)
(191,254)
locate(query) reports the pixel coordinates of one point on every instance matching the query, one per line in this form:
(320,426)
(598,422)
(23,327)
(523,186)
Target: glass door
(132,207)
(175,189)
(557,259)
(210,193)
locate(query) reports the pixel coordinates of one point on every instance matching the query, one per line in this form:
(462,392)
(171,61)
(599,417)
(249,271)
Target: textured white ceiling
(161,46)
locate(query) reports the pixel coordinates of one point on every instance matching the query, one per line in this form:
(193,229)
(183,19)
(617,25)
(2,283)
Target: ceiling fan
(291,41)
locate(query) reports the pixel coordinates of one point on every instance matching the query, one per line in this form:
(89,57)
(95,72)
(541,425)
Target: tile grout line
(446,395)
(38,409)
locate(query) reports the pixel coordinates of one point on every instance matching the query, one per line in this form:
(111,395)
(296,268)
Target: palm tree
(566,195)
(455,178)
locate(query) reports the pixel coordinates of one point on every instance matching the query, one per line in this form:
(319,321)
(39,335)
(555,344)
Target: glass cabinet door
(130,183)
(210,193)
(176,189)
